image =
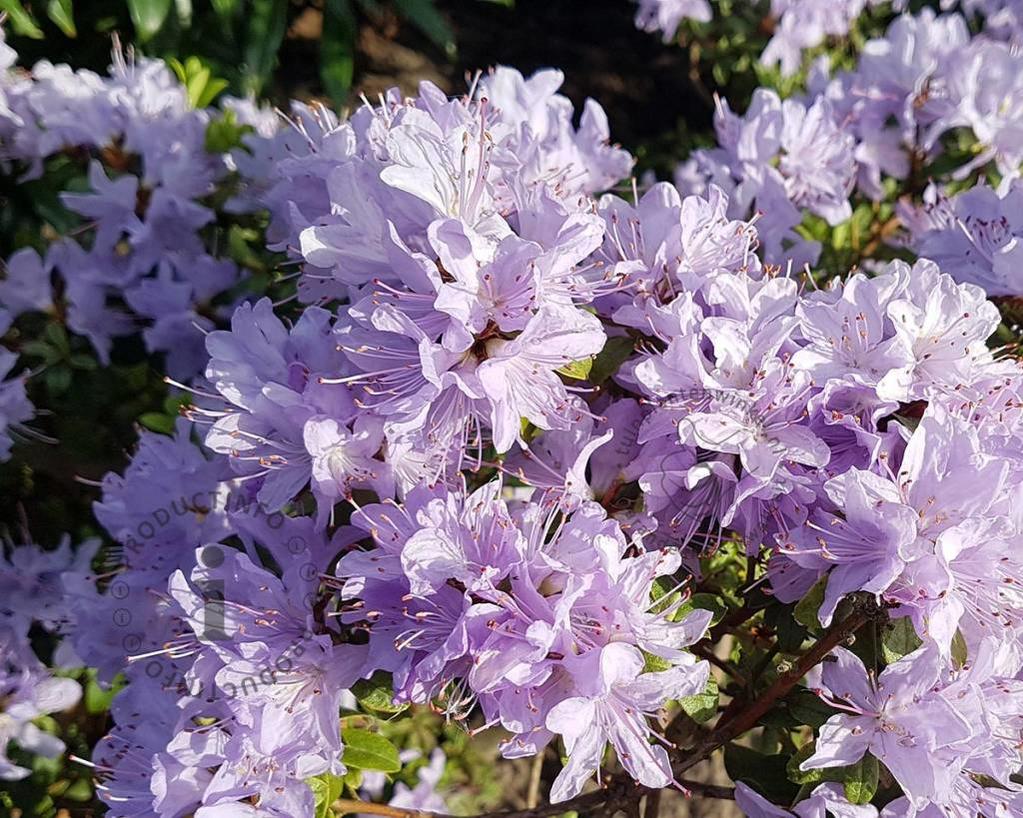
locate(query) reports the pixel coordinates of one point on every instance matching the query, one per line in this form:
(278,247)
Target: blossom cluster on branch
(586,468)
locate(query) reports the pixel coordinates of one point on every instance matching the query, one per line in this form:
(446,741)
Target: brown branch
(708,790)
(731,621)
(705,652)
(608,795)
(740,717)
(355,806)
(736,720)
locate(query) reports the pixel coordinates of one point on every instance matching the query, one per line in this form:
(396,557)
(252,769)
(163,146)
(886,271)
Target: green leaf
(577,370)
(41,349)
(703,706)
(369,751)
(424,16)
(608,361)
(791,634)
(58,379)
(860,780)
(376,693)
(172,403)
(705,602)
(225,9)
(62,14)
(353,780)
(960,653)
(97,700)
(798,776)
(200,84)
(807,708)
(148,16)
(224,134)
(267,22)
(210,92)
(184,8)
(157,422)
(899,639)
(654,664)
(196,84)
(326,789)
(57,336)
(23,22)
(337,48)
(807,610)
(765,772)
(84,361)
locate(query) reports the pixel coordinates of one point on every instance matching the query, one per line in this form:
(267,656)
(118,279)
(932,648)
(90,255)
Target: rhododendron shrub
(476,438)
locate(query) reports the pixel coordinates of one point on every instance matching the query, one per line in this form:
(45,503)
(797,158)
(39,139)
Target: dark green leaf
(577,370)
(791,634)
(184,12)
(172,403)
(654,664)
(807,708)
(376,693)
(899,639)
(615,352)
(960,652)
(703,706)
(765,773)
(58,379)
(62,13)
(225,9)
(157,422)
(337,48)
(57,337)
(860,780)
(97,700)
(807,611)
(369,751)
(424,16)
(23,22)
(148,16)
(41,349)
(83,361)
(798,776)
(267,22)
(705,602)
(225,134)
(326,789)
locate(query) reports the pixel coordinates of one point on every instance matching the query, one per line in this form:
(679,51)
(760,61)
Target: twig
(535,774)
(346,806)
(608,794)
(709,790)
(653,804)
(743,717)
(736,720)
(724,665)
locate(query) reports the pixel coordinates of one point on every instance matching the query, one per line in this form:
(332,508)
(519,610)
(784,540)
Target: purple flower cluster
(487,452)
(140,259)
(541,618)
(800,25)
(926,101)
(15,407)
(973,235)
(31,593)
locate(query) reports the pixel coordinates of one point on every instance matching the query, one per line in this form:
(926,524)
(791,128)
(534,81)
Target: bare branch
(742,716)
